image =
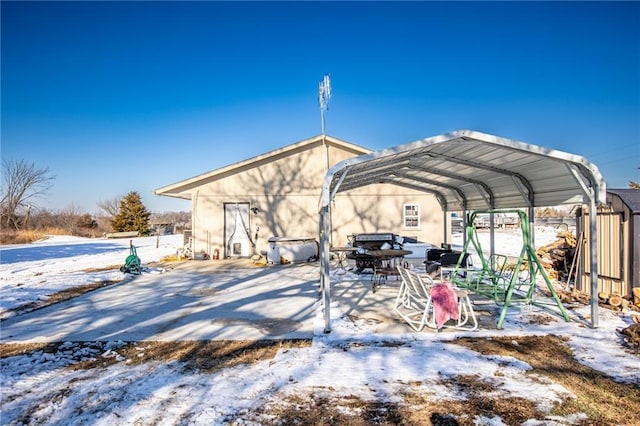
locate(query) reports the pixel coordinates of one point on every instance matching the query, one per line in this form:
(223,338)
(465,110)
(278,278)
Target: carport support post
(445,214)
(593,252)
(492,233)
(532,223)
(325,279)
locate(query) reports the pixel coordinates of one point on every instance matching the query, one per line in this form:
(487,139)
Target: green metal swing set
(494,281)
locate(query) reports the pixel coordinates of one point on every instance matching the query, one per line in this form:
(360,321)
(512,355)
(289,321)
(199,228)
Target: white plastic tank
(292,249)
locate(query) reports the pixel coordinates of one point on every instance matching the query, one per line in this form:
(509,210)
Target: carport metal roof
(469,170)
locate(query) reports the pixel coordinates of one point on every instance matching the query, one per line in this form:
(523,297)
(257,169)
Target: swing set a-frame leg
(527,254)
(535,266)
(552,290)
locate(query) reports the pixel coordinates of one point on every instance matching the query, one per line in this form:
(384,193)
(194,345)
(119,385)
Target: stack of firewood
(632,334)
(618,303)
(573,296)
(613,301)
(556,258)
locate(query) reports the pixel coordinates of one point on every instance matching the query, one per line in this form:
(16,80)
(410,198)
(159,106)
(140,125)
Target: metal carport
(467,170)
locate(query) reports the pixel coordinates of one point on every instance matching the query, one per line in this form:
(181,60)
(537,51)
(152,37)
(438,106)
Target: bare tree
(110,207)
(21,184)
(69,218)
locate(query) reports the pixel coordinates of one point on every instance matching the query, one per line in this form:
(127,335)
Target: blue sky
(115,97)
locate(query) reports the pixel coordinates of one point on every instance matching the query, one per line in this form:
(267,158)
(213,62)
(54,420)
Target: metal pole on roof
(324,94)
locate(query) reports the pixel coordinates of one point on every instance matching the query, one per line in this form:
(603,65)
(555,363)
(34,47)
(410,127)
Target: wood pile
(556,258)
(573,296)
(611,301)
(632,335)
(618,303)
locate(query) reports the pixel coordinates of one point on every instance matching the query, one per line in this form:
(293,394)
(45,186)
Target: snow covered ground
(32,272)
(40,388)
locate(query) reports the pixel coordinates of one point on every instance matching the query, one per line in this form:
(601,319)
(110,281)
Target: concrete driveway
(215,300)
(194,301)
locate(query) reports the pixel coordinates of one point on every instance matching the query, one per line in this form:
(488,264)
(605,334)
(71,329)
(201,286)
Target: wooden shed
(238,209)
(618,250)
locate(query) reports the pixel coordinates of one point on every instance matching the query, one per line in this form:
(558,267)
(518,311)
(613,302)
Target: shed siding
(614,251)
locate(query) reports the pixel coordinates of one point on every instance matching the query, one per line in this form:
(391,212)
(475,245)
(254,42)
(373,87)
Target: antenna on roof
(324,94)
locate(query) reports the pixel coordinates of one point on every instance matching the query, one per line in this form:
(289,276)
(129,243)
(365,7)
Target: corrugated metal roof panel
(474,171)
(629,196)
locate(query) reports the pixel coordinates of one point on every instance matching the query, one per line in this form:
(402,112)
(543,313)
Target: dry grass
(21,237)
(605,401)
(200,356)
(10,236)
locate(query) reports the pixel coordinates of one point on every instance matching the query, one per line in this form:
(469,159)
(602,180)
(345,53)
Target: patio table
(341,252)
(385,263)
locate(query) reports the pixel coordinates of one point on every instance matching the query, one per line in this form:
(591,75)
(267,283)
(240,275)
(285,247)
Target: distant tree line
(24,183)
(72,220)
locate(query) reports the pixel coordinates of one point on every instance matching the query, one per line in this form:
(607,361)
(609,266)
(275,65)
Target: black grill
(369,242)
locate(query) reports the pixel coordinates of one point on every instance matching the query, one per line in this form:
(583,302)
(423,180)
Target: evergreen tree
(132,215)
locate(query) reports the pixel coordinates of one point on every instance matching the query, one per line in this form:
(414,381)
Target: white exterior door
(237,235)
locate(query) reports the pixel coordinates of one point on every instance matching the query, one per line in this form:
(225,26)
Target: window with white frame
(411,215)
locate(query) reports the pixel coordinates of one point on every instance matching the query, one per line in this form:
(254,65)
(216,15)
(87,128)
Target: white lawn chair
(413,302)
(415,306)
(465,311)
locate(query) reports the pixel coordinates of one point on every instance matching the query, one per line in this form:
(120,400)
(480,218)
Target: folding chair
(413,302)
(465,311)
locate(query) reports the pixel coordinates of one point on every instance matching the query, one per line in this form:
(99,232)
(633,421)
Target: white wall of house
(283,190)
(380,208)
